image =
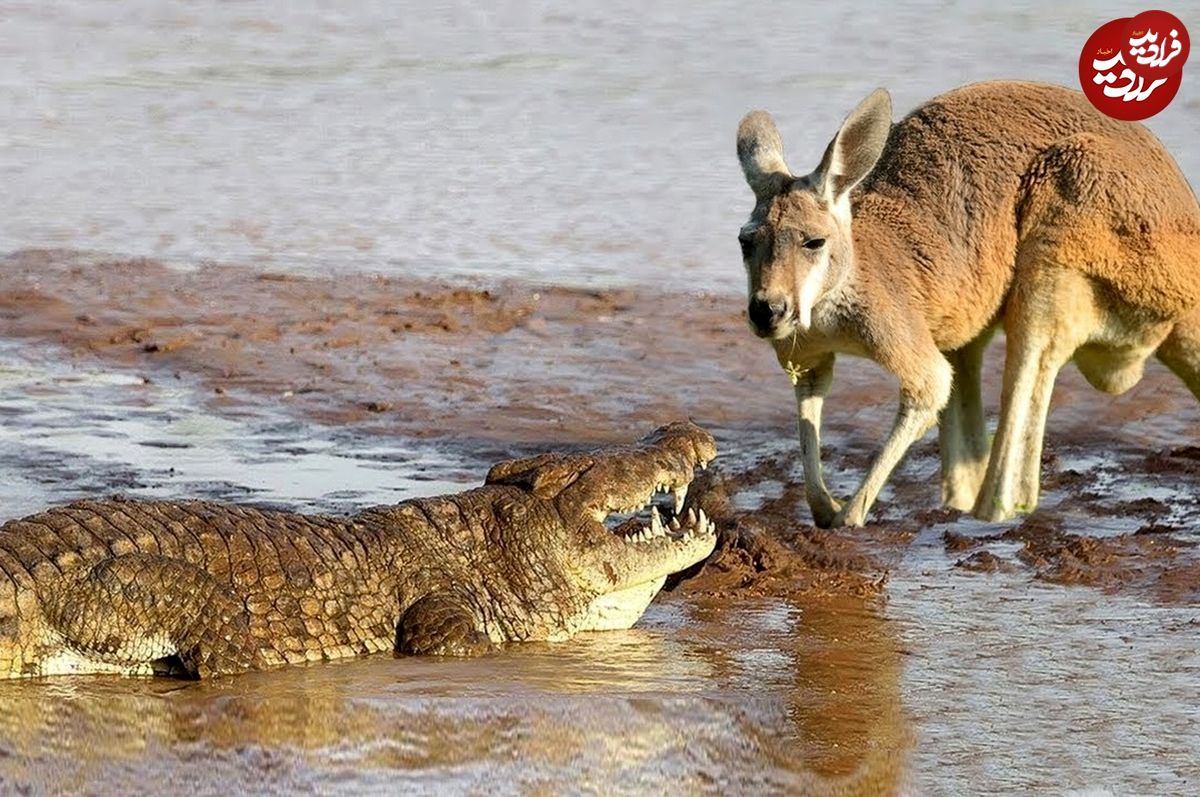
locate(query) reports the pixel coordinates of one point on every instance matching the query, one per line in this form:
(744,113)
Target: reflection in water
(846,700)
(802,699)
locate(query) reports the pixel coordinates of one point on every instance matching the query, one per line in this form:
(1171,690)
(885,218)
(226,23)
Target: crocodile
(549,546)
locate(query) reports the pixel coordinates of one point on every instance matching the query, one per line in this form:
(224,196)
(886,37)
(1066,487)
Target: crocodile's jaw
(618,610)
(614,566)
(634,564)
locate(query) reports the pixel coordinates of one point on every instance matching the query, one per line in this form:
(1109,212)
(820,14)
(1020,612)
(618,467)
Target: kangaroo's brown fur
(1000,203)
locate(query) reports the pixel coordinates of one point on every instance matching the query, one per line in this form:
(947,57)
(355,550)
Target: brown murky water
(680,704)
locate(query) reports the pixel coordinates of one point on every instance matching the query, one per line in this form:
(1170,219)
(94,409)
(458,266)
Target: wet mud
(794,660)
(765,552)
(507,362)
(1151,560)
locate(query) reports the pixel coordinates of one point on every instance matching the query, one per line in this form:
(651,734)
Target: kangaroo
(996,205)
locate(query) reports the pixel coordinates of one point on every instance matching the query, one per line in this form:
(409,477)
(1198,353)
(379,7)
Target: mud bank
(505,362)
(511,368)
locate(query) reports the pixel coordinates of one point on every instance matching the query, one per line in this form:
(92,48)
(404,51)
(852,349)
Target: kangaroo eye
(814,243)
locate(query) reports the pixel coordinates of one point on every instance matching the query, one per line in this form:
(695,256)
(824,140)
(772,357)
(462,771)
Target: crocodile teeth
(656,524)
(691,518)
(703,523)
(674,524)
(680,494)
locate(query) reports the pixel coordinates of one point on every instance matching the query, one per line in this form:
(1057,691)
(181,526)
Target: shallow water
(558,142)
(677,705)
(68,432)
(1021,688)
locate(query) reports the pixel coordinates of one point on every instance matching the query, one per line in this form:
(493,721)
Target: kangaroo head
(797,243)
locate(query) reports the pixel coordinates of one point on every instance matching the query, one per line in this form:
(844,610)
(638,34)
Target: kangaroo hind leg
(1050,313)
(149,613)
(962,428)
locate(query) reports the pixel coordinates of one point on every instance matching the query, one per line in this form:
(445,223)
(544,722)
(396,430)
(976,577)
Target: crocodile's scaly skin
(199,588)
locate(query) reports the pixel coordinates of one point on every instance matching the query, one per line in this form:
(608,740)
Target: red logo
(1131,68)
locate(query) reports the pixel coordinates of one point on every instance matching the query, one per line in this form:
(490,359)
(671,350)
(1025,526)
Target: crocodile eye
(814,243)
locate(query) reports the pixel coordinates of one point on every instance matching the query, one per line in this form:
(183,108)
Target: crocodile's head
(607,527)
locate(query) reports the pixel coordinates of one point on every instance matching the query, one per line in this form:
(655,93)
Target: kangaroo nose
(764,315)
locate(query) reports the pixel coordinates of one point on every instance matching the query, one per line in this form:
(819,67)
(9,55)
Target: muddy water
(150,440)
(679,705)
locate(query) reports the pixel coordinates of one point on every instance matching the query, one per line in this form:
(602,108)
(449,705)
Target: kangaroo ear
(760,151)
(856,147)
